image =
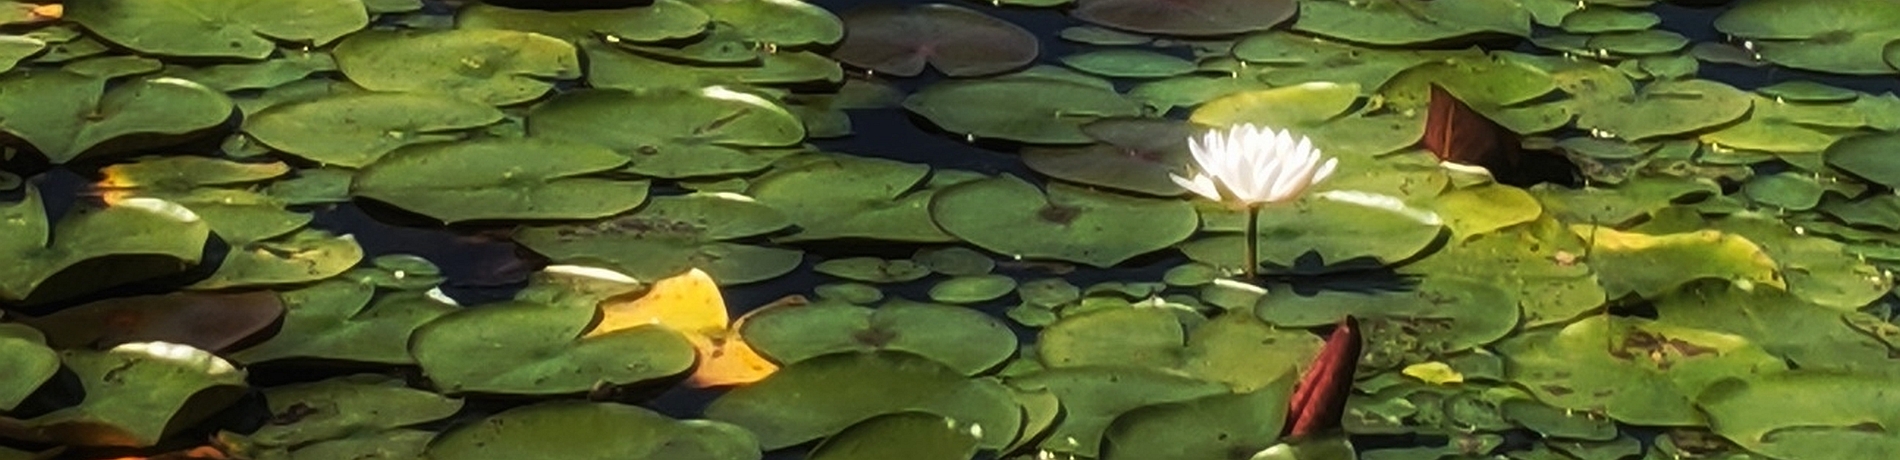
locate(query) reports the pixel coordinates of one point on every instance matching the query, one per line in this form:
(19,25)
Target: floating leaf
(306,255)
(958,41)
(1648,265)
(1442,315)
(592,430)
(1364,225)
(337,408)
(1808,336)
(1665,108)
(674,234)
(911,435)
(336,319)
(156,237)
(496,67)
(820,396)
(1137,155)
(784,23)
(23,351)
(205,321)
(1632,370)
(501,179)
(690,303)
(833,196)
(1840,36)
(526,347)
(1218,426)
(1129,63)
(1034,107)
(654,21)
(65,115)
(968,341)
(1803,415)
(136,393)
(689,133)
(872,269)
(1190,18)
(1009,216)
(354,130)
(1404,22)
(217,28)
(1092,397)
(293,66)
(1867,156)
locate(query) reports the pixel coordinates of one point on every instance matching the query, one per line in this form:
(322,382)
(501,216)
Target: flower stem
(1253,242)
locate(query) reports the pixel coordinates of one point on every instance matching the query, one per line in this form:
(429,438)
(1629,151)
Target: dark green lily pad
(1787,190)
(910,435)
(834,196)
(14,48)
(1867,156)
(1101,36)
(336,319)
(65,115)
(219,28)
(291,67)
(1229,349)
(1783,127)
(873,270)
(673,234)
(1404,22)
(1092,397)
(354,130)
(1442,315)
(616,68)
(684,133)
(206,321)
(778,23)
(1137,155)
(1218,426)
(1633,370)
(306,413)
(380,445)
(958,41)
(1009,216)
(501,178)
(1321,111)
(1603,20)
(581,429)
(1036,107)
(496,67)
(1665,108)
(306,255)
(1638,43)
(1803,415)
(23,351)
(1187,18)
(972,289)
(143,228)
(824,395)
(1846,36)
(525,347)
(1808,335)
(137,393)
(955,261)
(1129,63)
(1372,226)
(660,20)
(968,341)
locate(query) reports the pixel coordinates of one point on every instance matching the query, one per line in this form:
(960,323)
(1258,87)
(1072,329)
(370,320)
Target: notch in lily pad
(960,42)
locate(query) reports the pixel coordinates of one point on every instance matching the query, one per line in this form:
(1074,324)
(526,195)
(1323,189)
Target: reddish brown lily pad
(206,321)
(958,41)
(1187,17)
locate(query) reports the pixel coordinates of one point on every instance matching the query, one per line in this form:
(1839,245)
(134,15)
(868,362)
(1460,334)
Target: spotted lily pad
(685,132)
(673,234)
(65,115)
(1443,314)
(1841,36)
(23,350)
(966,340)
(337,408)
(1034,107)
(1632,370)
(305,255)
(958,41)
(1009,216)
(1809,336)
(354,130)
(833,196)
(821,396)
(501,178)
(220,28)
(497,67)
(136,393)
(526,347)
(143,228)
(1190,18)
(592,430)
(336,319)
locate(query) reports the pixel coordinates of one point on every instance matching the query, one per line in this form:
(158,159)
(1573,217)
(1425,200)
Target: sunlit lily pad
(971,289)
(1648,265)
(524,347)
(23,351)
(66,115)
(592,430)
(784,23)
(821,396)
(911,435)
(1846,36)
(153,230)
(1403,22)
(958,41)
(501,178)
(1381,229)
(136,393)
(659,20)
(1809,336)
(354,130)
(1816,269)
(292,66)
(1803,415)
(221,28)
(964,339)
(834,196)
(673,234)
(1443,314)
(1137,155)
(679,133)
(1191,18)
(1093,396)
(1218,426)
(306,255)
(1035,107)
(306,413)
(1009,216)
(1227,349)
(616,68)
(1664,108)
(497,67)
(1540,262)
(1632,370)
(1783,127)
(336,319)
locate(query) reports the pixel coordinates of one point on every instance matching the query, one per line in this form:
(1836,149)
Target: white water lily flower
(1248,166)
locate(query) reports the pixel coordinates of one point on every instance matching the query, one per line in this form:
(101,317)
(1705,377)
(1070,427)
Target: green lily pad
(291,67)
(1229,349)
(1093,397)
(960,42)
(302,256)
(955,261)
(501,178)
(1840,36)
(1442,315)
(66,115)
(1137,155)
(615,68)
(1370,226)
(312,186)
(972,289)
(1473,211)
(834,196)
(968,341)
(1129,63)
(1649,265)
(217,28)
(1868,157)
(354,130)
(336,319)
(1783,127)
(337,408)
(873,270)
(495,67)
(136,393)
(182,173)
(1321,111)
(1809,336)
(1218,426)
(1191,18)
(113,66)
(775,22)
(154,236)
(673,234)
(824,395)
(1638,43)
(1541,263)
(581,429)
(380,445)
(1787,190)
(1622,204)
(1665,108)
(1603,20)
(659,20)
(1803,415)
(1033,107)
(1816,269)
(1633,370)
(206,321)
(24,351)
(911,435)
(1404,22)
(1103,36)
(1009,216)
(14,48)
(526,347)
(687,133)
